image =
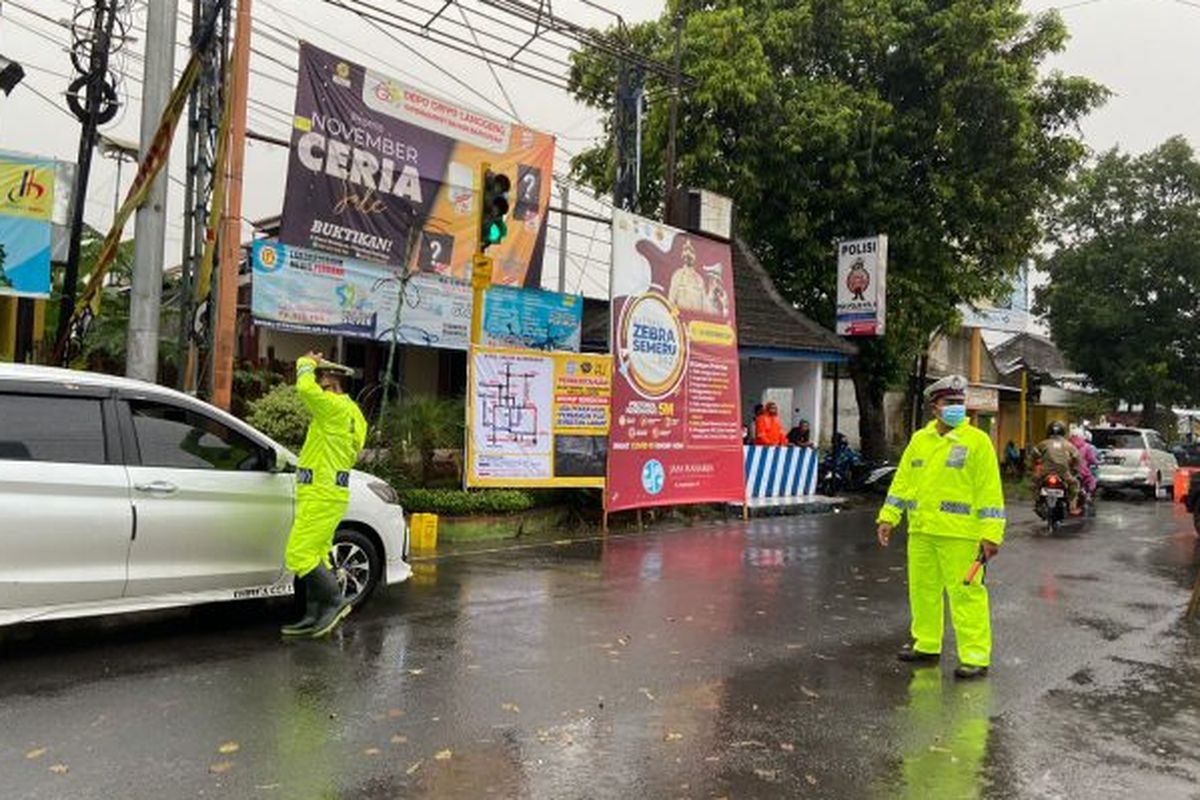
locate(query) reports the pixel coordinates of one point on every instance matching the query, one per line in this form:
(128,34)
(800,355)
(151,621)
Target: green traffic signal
(492,227)
(496,232)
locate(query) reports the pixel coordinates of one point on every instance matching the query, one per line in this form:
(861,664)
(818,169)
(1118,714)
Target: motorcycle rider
(1088,462)
(1055,455)
(332,444)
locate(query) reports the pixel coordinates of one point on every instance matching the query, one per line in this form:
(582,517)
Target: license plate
(1053,493)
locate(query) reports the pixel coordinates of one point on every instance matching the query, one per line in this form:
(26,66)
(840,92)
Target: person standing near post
(949,484)
(335,438)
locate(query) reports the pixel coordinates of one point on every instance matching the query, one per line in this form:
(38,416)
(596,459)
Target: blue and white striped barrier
(780,471)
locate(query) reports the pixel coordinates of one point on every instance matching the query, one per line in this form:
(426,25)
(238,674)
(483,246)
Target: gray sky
(1138,48)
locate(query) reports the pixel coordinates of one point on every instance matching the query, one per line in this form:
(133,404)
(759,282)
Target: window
(67,430)
(1156,441)
(170,436)
(1119,439)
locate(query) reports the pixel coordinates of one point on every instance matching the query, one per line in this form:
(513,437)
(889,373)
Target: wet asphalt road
(727,660)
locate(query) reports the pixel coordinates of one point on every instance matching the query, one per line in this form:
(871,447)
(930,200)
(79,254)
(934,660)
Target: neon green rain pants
(936,568)
(317,518)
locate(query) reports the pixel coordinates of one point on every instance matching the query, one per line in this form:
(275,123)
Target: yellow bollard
(423,532)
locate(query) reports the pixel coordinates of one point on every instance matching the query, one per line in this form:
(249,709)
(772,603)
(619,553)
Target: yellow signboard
(537,419)
(27,189)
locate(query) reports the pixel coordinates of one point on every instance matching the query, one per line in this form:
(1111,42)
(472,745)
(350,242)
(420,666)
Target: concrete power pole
(150,234)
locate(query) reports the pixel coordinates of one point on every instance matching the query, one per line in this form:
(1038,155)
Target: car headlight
(384,492)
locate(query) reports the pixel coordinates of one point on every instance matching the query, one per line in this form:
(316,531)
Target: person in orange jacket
(767,429)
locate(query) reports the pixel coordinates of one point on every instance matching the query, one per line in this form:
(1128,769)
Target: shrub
(280,414)
(461,503)
(414,427)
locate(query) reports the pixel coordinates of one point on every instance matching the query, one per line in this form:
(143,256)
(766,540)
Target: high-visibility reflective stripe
(992,513)
(903,505)
(956,508)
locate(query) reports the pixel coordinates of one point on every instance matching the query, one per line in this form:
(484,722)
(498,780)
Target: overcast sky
(1141,49)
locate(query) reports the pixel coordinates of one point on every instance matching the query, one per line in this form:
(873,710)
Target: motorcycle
(1051,503)
(849,473)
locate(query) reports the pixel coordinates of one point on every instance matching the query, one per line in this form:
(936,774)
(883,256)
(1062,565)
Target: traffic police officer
(332,444)
(949,484)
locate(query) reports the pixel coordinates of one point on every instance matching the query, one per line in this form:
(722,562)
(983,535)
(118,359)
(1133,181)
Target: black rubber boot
(332,606)
(304,625)
(909,655)
(968,672)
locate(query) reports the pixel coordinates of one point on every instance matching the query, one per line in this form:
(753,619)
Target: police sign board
(862,286)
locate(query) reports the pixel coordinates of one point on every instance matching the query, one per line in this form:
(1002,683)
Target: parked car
(121,496)
(1134,458)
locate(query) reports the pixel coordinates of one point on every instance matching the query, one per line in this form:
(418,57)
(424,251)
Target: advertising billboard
(676,429)
(1010,315)
(537,419)
(532,319)
(862,286)
(26,212)
(302,290)
(371,156)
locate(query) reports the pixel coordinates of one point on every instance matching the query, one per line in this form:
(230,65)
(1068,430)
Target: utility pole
(104,18)
(669,171)
(225,327)
(149,244)
(627,138)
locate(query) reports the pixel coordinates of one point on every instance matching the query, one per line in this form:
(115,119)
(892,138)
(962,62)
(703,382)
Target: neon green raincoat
(334,440)
(950,487)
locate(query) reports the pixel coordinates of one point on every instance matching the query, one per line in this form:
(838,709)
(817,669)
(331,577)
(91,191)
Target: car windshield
(1117,440)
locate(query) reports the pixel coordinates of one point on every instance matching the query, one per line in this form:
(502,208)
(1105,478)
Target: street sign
(481,272)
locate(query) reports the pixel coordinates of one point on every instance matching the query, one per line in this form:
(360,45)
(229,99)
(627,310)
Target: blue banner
(532,319)
(311,292)
(25,263)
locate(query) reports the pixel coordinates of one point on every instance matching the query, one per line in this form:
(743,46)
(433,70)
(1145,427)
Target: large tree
(1122,301)
(824,119)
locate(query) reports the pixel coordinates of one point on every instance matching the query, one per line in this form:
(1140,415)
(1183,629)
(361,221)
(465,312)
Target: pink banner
(676,433)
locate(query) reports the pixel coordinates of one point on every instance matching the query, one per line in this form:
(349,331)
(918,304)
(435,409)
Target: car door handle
(157,487)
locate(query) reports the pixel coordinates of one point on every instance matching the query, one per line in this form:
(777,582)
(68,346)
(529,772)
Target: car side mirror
(274,462)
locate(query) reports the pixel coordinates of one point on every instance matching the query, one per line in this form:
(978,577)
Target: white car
(1134,458)
(119,496)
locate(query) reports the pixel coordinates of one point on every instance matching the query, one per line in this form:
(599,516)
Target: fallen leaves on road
(220,767)
(395,713)
(748,743)
(38,753)
(443,755)
(795,647)
(229,748)
(767,774)
(812,780)
(372,751)
(418,671)
(513,707)
(413,768)
(398,739)
(646,692)
(787,747)
(809,693)
(60,769)
(672,736)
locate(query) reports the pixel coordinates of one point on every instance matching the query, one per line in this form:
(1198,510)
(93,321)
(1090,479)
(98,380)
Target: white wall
(802,377)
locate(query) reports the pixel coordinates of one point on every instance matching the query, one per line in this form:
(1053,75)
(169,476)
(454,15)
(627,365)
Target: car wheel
(357,564)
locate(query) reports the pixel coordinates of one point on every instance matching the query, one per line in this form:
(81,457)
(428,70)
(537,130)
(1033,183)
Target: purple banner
(357,178)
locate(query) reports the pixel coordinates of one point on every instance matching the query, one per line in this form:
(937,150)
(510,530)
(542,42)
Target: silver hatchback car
(120,496)
(1134,458)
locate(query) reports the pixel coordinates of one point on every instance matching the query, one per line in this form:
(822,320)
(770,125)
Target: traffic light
(492,227)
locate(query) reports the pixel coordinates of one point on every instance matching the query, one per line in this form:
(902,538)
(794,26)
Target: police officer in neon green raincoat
(332,445)
(949,485)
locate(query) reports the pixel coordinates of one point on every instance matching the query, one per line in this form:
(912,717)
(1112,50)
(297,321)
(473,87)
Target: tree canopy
(1122,300)
(926,120)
